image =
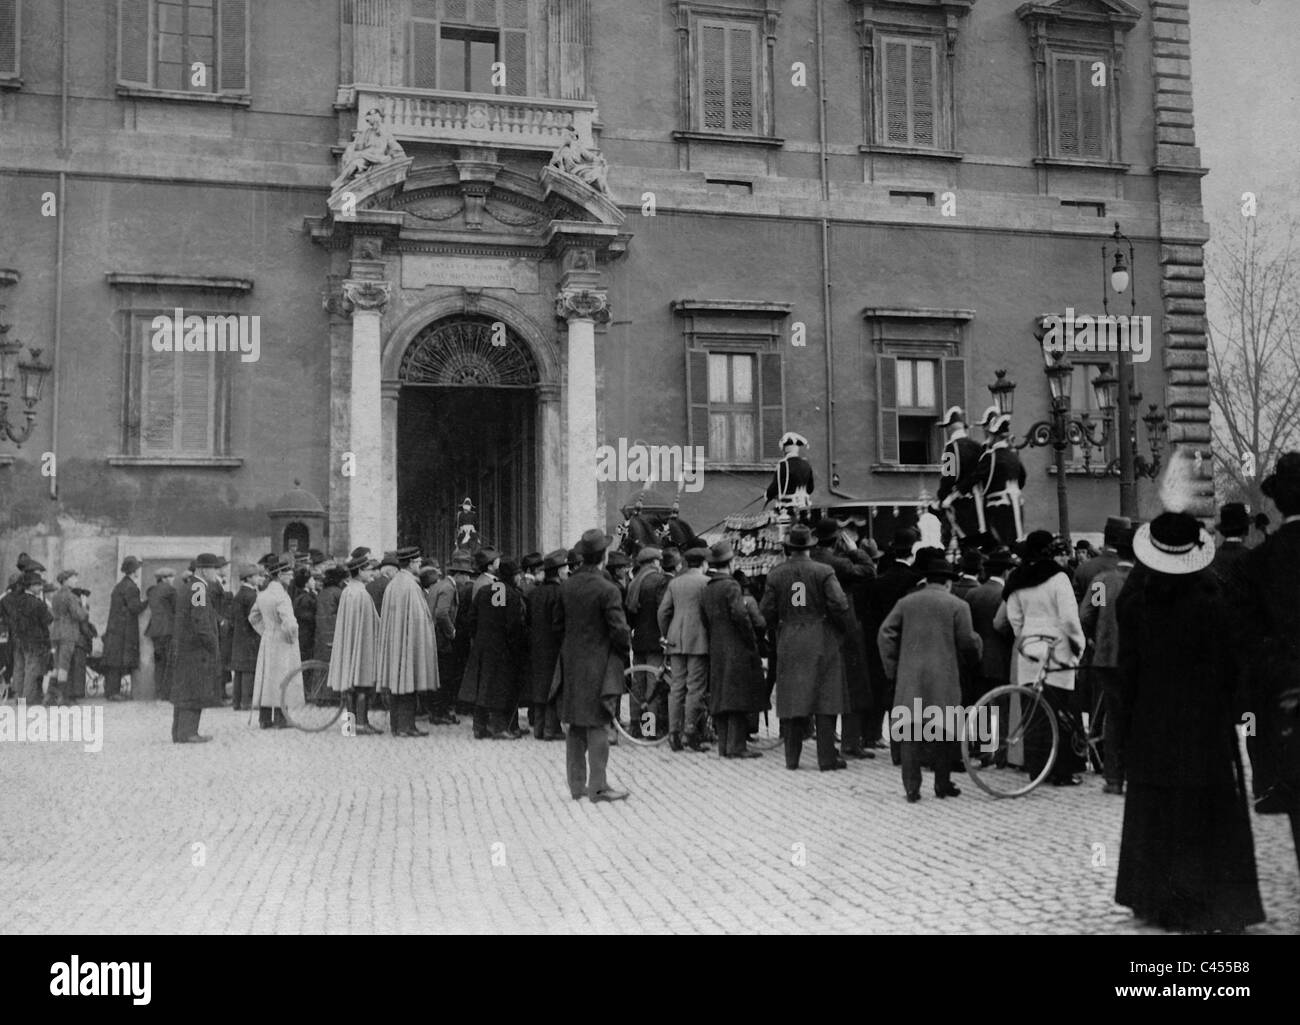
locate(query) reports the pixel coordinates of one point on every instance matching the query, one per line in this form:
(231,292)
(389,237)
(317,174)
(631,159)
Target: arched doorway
(466,427)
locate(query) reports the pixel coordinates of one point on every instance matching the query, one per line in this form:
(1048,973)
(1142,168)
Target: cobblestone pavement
(311,833)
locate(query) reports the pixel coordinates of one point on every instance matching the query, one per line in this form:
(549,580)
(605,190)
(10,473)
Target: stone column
(581,310)
(550,451)
(388,493)
(365,489)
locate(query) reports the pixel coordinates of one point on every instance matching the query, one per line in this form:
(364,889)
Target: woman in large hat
(1187,857)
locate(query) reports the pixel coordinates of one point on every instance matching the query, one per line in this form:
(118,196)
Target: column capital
(368,296)
(582,305)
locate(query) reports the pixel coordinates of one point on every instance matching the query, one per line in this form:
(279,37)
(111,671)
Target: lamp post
(1117,275)
(29,375)
(1061,430)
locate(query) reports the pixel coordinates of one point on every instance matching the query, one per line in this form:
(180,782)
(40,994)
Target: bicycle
(994,769)
(314,708)
(657,687)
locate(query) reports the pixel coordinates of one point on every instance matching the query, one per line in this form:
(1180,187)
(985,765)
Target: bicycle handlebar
(1049,663)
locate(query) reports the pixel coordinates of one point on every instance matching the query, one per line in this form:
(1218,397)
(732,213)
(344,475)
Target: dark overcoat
(590,617)
(853,578)
(643,597)
(327,611)
(245,640)
(498,658)
(122,634)
(543,641)
(304,611)
(197,666)
(805,605)
(995,662)
(161,599)
(736,682)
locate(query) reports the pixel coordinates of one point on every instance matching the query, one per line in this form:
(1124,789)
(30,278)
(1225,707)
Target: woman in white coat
(1039,599)
(273,619)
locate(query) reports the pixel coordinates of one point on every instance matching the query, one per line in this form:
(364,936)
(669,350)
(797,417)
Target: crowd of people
(1182,639)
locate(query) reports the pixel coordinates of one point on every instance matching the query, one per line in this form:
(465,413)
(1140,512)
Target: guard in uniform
(959,480)
(1003,476)
(792,483)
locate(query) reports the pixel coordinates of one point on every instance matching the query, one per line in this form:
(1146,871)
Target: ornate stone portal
(448,221)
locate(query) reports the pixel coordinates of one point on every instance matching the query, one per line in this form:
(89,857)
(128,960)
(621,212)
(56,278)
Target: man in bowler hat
(590,617)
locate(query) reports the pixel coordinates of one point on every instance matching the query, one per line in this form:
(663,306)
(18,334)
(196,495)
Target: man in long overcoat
(277,654)
(198,656)
(498,658)
(736,683)
(544,647)
(1263,588)
(122,634)
(244,641)
(806,607)
(161,599)
(896,578)
(590,617)
(644,594)
(408,656)
(853,578)
(354,658)
(923,643)
(443,599)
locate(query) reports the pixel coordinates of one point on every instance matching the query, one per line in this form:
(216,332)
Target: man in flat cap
(590,617)
(198,655)
(687,645)
(122,634)
(408,660)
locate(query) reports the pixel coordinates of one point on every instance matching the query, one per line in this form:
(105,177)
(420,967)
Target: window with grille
(726,73)
(183,46)
(1078,108)
(909,94)
(9,39)
(465,43)
(178,403)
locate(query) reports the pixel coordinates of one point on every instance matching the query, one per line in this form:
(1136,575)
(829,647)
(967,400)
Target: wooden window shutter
(514,54)
(922,81)
(713,77)
(422,54)
(697,397)
(233,47)
(772,397)
(195,402)
(158,403)
(741,78)
(1065,71)
(954,390)
(1091,99)
(134,66)
(895,93)
(887,408)
(9,38)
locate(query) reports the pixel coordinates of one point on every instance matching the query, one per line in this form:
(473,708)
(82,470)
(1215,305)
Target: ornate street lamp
(29,374)
(1117,276)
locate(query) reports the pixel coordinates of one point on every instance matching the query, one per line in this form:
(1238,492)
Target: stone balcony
(478,119)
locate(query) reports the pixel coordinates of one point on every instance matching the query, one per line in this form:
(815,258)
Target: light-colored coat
(679,614)
(277,655)
(1048,608)
(923,642)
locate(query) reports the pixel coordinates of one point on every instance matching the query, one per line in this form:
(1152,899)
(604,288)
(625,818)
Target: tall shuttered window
(10,33)
(737,401)
(912,391)
(177,403)
(183,46)
(727,76)
(909,92)
(477,46)
(1079,104)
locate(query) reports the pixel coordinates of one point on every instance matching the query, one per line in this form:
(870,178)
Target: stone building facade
(836,218)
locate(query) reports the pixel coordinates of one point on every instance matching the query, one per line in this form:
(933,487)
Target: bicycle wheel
(307,702)
(996,728)
(647,732)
